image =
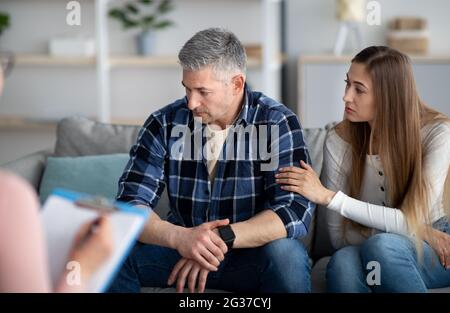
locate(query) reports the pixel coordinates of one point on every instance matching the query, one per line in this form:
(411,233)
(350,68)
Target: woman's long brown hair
(399,117)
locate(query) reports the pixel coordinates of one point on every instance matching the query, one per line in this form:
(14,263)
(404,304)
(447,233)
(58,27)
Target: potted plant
(146,15)
(4,21)
(6,58)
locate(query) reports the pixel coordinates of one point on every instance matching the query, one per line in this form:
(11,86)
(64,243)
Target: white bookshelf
(169,61)
(46,60)
(100,81)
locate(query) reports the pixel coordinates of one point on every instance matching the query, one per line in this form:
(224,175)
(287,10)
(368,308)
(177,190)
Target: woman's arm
(436,165)
(23,258)
(334,178)
(375,216)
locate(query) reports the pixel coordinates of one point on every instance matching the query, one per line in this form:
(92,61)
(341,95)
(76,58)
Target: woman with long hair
(384,172)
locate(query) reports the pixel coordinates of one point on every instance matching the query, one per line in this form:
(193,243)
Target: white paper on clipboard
(62,219)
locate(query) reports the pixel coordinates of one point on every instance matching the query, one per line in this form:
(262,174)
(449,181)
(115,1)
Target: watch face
(227,234)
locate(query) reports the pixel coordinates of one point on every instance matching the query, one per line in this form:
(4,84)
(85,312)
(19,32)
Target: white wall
(312,27)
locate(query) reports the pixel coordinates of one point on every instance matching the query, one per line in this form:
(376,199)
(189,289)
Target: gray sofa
(77,136)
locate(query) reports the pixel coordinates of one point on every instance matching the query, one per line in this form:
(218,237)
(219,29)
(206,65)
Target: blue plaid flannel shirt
(240,189)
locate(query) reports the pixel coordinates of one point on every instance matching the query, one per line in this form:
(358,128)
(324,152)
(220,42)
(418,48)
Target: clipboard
(62,216)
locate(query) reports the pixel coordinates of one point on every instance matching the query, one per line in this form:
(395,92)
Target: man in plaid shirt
(218,149)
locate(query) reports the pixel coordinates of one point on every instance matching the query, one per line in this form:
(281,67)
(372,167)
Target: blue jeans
(400,269)
(280,266)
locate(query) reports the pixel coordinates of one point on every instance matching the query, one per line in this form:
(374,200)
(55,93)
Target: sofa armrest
(30,167)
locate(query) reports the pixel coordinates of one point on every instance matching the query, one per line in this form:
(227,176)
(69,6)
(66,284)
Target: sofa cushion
(321,245)
(315,139)
(77,136)
(30,167)
(318,275)
(89,174)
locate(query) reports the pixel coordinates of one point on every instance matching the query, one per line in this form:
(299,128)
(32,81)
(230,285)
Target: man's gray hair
(214,47)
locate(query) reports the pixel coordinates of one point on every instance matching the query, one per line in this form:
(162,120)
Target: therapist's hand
(93,244)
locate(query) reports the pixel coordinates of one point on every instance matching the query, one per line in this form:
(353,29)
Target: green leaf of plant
(4,19)
(148,20)
(130,24)
(165,6)
(146,1)
(145,21)
(132,8)
(163,24)
(116,13)
(4,22)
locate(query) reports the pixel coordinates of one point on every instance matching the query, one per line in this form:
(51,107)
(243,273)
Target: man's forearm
(159,232)
(257,231)
(262,228)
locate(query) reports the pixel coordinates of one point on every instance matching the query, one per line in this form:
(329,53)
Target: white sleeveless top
(371,209)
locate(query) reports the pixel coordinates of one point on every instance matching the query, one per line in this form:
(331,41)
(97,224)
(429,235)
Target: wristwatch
(227,235)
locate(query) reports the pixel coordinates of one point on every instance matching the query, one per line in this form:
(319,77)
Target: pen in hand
(93,244)
(87,231)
